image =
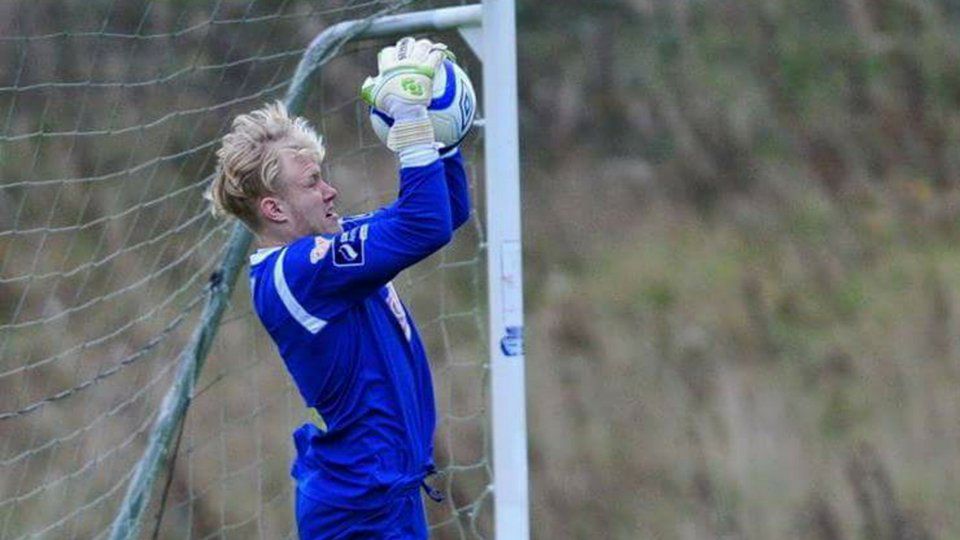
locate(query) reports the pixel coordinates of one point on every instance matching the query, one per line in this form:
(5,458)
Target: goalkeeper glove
(403,89)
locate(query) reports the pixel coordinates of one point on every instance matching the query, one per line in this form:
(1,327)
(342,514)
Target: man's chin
(332,227)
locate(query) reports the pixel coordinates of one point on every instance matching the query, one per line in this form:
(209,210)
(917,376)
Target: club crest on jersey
(348,248)
(320,248)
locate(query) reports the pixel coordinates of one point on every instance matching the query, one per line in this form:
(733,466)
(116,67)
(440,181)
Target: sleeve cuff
(450,152)
(418,156)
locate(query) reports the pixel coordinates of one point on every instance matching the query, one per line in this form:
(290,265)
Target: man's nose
(331,192)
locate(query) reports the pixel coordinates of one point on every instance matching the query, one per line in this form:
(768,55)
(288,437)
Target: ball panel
(445,86)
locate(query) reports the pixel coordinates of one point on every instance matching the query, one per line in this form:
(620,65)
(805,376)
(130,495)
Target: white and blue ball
(451,110)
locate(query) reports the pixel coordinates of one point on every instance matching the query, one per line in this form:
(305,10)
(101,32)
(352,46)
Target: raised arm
(366,256)
(458,187)
(356,262)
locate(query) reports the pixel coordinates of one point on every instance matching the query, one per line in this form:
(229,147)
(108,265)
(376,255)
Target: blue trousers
(402,519)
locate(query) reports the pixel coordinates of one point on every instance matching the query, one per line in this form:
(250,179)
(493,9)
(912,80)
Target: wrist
(418,155)
(410,132)
(401,111)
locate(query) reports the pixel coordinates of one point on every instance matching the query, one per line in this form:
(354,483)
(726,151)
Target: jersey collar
(259,255)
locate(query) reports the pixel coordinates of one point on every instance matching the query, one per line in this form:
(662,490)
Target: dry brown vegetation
(741,237)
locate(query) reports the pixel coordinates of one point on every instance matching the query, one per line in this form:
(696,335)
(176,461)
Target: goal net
(111,114)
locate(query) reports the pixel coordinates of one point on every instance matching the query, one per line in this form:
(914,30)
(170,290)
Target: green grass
(737,371)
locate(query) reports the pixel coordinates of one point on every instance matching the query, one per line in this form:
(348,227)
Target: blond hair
(248,161)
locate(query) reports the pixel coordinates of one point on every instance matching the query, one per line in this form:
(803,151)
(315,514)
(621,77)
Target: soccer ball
(451,110)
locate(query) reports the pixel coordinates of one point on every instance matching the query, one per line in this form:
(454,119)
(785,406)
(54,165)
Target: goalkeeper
(321,285)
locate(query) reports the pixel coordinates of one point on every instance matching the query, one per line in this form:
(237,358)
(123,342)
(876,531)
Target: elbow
(441,232)
(459,219)
(434,242)
(441,236)
(429,234)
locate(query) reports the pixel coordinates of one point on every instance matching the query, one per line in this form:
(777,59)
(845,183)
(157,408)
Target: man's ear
(272,209)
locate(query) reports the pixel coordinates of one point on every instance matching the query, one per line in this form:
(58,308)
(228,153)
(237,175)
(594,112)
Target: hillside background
(742,260)
(741,223)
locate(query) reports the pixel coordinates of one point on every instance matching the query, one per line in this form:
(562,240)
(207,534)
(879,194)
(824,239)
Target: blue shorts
(402,519)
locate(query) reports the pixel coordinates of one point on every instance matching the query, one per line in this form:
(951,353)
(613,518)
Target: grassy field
(742,235)
(711,378)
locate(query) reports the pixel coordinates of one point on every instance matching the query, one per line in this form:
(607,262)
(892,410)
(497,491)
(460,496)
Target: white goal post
(489,28)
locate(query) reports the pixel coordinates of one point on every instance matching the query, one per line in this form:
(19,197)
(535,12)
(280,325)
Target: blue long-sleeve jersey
(351,346)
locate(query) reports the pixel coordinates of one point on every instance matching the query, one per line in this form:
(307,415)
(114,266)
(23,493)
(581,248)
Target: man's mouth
(332,215)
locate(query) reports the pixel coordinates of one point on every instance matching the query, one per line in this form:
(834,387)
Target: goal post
(505,271)
(489,28)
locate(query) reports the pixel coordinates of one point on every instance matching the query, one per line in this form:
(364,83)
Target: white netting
(110,114)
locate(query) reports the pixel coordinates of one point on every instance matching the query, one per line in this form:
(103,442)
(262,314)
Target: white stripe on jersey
(308,321)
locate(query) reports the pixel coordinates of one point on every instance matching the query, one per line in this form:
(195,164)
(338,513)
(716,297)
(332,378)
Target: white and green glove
(403,90)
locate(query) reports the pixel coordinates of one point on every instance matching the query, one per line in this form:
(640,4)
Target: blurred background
(743,286)
(741,260)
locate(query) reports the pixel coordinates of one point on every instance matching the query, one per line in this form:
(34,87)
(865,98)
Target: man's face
(309,199)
